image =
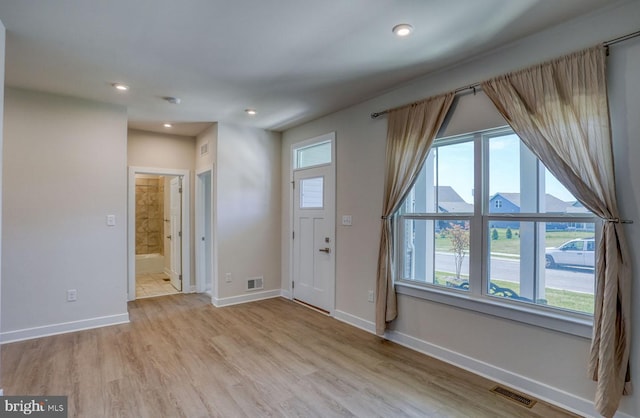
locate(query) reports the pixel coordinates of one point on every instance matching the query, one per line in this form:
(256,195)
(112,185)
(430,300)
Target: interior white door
(204,254)
(313,237)
(175,226)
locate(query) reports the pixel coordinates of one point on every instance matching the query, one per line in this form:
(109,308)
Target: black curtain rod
(622,38)
(476,86)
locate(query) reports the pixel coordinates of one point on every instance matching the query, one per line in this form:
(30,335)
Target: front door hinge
(180,190)
(180,277)
(293,184)
(293,234)
(180,234)
(293,285)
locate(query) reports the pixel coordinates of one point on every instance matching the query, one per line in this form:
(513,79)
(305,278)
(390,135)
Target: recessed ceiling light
(403,29)
(250,111)
(172,100)
(120,86)
(168,125)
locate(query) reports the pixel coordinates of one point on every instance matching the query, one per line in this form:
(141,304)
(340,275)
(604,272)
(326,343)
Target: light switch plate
(111,220)
(346,220)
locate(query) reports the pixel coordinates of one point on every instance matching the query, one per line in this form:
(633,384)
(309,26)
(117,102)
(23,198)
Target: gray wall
(64,170)
(247,188)
(546,363)
(2,47)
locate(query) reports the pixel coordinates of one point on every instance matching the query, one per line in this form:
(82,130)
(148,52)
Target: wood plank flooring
(182,357)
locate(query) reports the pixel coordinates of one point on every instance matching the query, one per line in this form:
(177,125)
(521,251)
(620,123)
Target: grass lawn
(565,299)
(512,246)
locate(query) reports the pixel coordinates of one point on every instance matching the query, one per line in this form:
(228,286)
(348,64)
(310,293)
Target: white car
(577,252)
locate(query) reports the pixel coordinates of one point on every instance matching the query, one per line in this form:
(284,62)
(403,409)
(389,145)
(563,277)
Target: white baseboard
(355,321)
(552,395)
(62,328)
(249,297)
(285,293)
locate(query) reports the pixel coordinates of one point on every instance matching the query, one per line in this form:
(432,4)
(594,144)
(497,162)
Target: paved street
(579,280)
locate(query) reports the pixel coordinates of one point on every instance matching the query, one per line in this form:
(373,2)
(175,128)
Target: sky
(455,167)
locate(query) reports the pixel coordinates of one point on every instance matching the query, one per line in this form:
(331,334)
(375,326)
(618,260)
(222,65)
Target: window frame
(314,142)
(476,298)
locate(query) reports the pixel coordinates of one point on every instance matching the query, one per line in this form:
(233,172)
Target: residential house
(510,203)
(449,201)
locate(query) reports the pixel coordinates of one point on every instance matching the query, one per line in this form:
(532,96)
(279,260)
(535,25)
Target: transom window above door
(313,155)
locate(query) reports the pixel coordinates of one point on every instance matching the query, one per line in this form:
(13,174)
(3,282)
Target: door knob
(169,236)
(325,250)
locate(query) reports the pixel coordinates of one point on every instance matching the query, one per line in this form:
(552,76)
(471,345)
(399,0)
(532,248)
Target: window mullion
(476,247)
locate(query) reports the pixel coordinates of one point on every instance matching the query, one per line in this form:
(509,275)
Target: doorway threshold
(315,308)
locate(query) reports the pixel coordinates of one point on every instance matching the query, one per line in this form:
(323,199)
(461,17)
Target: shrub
(509,234)
(494,234)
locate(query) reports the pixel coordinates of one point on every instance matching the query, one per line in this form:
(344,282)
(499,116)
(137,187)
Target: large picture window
(486,220)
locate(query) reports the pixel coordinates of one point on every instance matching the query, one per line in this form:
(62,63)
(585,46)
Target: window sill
(568,324)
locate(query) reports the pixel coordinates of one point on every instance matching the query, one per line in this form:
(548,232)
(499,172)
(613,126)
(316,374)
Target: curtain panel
(560,111)
(410,133)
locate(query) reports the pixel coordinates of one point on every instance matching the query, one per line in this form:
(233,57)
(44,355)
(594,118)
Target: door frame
(200,230)
(131,225)
(331,136)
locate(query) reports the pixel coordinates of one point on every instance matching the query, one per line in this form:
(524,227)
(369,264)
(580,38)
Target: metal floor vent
(515,397)
(255,283)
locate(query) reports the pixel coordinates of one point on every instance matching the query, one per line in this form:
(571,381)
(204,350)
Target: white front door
(314,236)
(175,226)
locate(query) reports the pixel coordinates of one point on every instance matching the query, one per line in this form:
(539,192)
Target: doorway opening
(205,245)
(158,232)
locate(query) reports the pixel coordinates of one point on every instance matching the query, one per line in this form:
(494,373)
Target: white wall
(545,363)
(624,102)
(150,149)
(247,188)
(64,170)
(156,150)
(209,137)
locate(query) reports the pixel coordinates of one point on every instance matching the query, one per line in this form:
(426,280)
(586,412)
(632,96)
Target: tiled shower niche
(149,214)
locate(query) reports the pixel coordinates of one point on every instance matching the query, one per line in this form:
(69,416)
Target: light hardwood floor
(182,357)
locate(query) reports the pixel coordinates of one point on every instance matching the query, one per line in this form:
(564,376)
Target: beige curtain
(410,132)
(560,111)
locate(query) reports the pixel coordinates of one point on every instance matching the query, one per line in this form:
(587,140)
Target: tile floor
(153,284)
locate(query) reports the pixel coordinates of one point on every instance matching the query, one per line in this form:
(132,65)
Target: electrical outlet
(227,277)
(72,295)
(370,298)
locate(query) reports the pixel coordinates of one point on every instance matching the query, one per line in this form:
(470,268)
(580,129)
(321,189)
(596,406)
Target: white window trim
(554,318)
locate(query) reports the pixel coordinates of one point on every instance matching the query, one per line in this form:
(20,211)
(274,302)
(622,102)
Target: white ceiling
(292,60)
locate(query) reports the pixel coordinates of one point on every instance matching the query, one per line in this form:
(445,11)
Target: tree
(494,234)
(459,237)
(509,234)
